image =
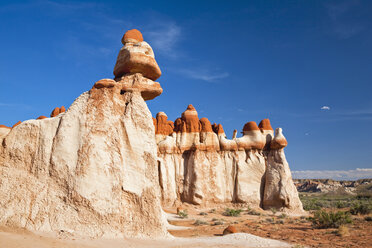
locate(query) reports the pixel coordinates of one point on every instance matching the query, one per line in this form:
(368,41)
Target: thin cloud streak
(163,37)
(203,75)
(325,108)
(358,173)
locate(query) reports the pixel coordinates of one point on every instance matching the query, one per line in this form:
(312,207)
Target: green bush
(253,212)
(282,216)
(232,212)
(342,204)
(360,207)
(183,214)
(273,210)
(364,191)
(312,204)
(323,219)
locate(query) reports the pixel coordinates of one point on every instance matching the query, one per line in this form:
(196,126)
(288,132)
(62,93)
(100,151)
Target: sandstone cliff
(90,170)
(199,165)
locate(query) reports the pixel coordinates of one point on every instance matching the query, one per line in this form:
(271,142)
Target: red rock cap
(265,125)
(205,125)
(250,126)
(178,125)
(55,112)
(163,126)
(132,35)
(62,109)
(217,128)
(190,120)
(41,117)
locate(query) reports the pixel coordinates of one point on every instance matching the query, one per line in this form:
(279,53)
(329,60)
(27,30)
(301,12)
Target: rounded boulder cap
(131,36)
(265,125)
(250,126)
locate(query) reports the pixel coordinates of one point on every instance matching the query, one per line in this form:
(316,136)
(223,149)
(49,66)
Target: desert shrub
(323,219)
(217,223)
(282,216)
(200,222)
(183,214)
(270,220)
(361,207)
(364,191)
(342,204)
(213,210)
(214,219)
(343,231)
(273,210)
(314,204)
(203,213)
(253,212)
(232,212)
(368,218)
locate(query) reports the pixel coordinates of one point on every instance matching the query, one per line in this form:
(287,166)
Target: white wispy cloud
(325,108)
(204,75)
(340,24)
(358,173)
(163,37)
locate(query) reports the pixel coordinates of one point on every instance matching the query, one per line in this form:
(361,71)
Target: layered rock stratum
(199,165)
(104,167)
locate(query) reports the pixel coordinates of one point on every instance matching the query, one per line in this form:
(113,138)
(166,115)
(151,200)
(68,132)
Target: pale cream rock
(4,131)
(253,139)
(280,191)
(279,140)
(137,57)
(92,170)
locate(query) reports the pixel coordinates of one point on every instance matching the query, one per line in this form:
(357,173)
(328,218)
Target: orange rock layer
(202,131)
(3,126)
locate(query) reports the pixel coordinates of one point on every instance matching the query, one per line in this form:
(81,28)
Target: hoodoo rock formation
(199,165)
(93,169)
(105,167)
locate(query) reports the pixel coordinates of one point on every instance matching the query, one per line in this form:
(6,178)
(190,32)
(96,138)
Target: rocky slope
(329,185)
(104,166)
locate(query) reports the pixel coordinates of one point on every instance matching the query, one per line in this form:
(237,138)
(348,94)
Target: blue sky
(306,65)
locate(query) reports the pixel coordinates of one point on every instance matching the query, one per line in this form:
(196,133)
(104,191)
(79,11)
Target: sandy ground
(12,238)
(20,238)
